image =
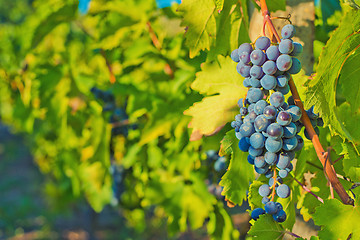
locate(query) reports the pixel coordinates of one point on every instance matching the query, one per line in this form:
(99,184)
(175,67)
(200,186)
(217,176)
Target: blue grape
(251,159)
(290,144)
(273,145)
(246,82)
(270,112)
(284,161)
(288,31)
(298,49)
(278,205)
(235,56)
(220,164)
(255,151)
(295,112)
(238,118)
(289,168)
(250,117)
(270,208)
(291,154)
(275,131)
(247,129)
(291,101)
(295,67)
(280,216)
(244,57)
(261,123)
(283,191)
(261,170)
(268,82)
(260,106)
(255,82)
(283,173)
(284,62)
(269,67)
(259,162)
(264,190)
(254,95)
(320,122)
(245,47)
(257,57)
(273,52)
(243,111)
(283,118)
(262,43)
(282,80)
(271,158)
(256,213)
(257,140)
(251,107)
(240,103)
(265,200)
(311,114)
(284,90)
(300,144)
(277,99)
(243,69)
(256,72)
(286,46)
(238,135)
(284,106)
(290,130)
(244,145)
(269,173)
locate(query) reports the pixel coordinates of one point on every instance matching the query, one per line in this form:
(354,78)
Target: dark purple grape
(245,47)
(243,69)
(286,46)
(270,112)
(275,131)
(277,99)
(258,57)
(283,118)
(256,72)
(244,57)
(261,123)
(269,67)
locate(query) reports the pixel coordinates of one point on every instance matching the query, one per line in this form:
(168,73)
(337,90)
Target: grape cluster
(118,115)
(217,166)
(268,126)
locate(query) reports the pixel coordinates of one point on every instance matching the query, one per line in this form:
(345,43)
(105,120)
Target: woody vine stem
(322,155)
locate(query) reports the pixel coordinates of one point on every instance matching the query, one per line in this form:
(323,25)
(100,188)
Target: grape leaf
(274,5)
(351,161)
(265,228)
(336,67)
(236,180)
(254,196)
(215,111)
(219,4)
(337,220)
(199,19)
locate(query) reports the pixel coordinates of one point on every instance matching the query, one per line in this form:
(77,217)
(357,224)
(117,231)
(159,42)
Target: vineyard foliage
(179,89)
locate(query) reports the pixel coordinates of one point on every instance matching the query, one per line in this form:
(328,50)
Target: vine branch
(322,155)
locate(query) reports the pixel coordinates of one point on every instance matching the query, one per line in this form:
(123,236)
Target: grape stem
(309,191)
(322,155)
(292,234)
(273,186)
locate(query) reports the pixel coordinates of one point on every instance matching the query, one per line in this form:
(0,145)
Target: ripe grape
(284,161)
(244,145)
(243,69)
(254,95)
(257,212)
(283,191)
(273,145)
(273,52)
(245,47)
(235,55)
(251,159)
(284,90)
(261,123)
(270,208)
(295,112)
(259,162)
(270,112)
(255,151)
(247,129)
(257,57)
(260,106)
(255,82)
(262,43)
(269,67)
(288,31)
(295,67)
(283,173)
(298,49)
(256,72)
(280,216)
(246,82)
(244,57)
(264,190)
(284,62)
(290,144)
(282,80)
(257,140)
(283,118)
(286,46)
(275,131)
(290,130)
(277,99)
(268,82)
(271,158)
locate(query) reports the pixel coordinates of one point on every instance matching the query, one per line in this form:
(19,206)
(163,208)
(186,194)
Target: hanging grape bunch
(267,126)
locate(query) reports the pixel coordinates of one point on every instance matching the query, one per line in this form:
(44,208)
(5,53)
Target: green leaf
(274,5)
(198,17)
(236,180)
(337,220)
(265,228)
(225,85)
(254,196)
(351,161)
(219,4)
(220,224)
(339,66)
